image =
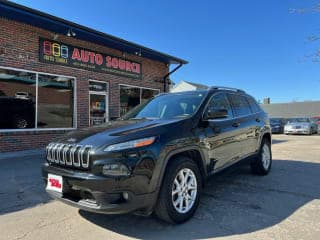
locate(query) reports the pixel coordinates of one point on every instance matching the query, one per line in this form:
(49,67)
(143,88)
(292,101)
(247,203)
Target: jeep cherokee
(157,157)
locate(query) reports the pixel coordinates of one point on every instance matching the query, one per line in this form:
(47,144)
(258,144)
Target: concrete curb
(19,154)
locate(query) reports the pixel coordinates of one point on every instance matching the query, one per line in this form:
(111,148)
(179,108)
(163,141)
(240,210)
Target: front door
(98,104)
(222,136)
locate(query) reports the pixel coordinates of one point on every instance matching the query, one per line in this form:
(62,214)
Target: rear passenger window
(240,105)
(254,105)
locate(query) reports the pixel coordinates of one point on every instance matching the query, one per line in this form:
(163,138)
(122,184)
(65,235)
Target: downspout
(168,74)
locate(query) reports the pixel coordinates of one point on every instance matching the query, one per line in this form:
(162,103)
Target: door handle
(236,124)
(258,120)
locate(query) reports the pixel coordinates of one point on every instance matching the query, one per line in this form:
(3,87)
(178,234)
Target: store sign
(67,55)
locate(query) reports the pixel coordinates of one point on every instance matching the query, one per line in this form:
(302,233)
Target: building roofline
(43,20)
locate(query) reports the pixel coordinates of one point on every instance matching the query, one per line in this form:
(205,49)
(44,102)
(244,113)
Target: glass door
(98,103)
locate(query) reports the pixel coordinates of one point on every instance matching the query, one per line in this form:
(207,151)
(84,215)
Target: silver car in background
(300,126)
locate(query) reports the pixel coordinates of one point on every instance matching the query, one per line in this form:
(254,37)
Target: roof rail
(226,88)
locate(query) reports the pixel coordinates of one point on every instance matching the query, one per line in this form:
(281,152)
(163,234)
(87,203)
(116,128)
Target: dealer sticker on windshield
(54,183)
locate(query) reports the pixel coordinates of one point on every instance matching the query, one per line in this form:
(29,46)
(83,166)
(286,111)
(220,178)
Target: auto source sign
(67,55)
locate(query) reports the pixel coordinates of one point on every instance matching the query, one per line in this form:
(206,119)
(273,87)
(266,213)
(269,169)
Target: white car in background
(22,95)
(300,126)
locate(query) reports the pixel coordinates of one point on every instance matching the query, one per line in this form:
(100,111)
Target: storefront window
(20,107)
(17,99)
(55,101)
(133,96)
(98,93)
(147,94)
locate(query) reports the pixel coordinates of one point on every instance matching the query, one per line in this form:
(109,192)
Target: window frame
(133,86)
(75,112)
(233,110)
(208,103)
(106,93)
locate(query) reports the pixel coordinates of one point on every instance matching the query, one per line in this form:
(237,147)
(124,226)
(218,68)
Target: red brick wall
(19,48)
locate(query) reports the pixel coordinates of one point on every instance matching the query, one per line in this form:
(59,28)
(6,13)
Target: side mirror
(214,113)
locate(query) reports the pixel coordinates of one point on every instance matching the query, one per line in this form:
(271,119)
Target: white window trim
(99,93)
(133,86)
(75,112)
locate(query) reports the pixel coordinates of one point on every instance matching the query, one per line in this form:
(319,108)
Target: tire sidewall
(265,142)
(172,173)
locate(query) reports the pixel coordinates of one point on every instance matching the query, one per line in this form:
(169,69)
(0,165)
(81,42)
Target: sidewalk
(22,186)
(20,154)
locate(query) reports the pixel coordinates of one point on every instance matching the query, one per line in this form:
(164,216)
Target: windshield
(298,120)
(275,120)
(181,105)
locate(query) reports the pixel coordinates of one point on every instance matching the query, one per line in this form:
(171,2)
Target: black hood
(116,131)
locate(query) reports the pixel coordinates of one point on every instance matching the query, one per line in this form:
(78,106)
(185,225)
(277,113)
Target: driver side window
(220,102)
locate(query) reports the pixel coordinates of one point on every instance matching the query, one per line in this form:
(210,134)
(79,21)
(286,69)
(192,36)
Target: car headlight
(131,144)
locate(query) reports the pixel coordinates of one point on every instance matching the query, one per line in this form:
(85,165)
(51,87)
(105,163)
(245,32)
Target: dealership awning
(57,25)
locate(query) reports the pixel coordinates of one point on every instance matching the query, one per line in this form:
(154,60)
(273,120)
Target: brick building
(71,75)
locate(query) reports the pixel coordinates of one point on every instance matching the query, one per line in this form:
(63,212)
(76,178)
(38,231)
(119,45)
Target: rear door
(245,122)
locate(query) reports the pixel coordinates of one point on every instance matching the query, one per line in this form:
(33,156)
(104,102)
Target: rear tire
(261,165)
(180,191)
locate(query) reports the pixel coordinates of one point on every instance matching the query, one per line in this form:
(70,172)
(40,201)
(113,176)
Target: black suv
(158,156)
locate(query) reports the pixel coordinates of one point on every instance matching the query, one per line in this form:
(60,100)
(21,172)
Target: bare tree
(314,37)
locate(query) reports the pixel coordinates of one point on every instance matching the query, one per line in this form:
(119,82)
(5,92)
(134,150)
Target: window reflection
(55,102)
(133,96)
(17,99)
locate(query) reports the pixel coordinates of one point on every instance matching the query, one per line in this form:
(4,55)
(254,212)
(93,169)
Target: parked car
(277,125)
(300,126)
(16,113)
(158,156)
(316,120)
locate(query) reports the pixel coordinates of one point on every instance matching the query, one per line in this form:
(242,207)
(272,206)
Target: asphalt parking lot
(235,205)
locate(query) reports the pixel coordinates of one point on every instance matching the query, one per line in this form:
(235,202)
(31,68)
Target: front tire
(261,165)
(180,191)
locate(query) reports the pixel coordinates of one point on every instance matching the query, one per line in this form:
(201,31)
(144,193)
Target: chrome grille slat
(77,156)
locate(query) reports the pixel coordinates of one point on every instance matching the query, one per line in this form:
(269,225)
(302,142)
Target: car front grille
(70,155)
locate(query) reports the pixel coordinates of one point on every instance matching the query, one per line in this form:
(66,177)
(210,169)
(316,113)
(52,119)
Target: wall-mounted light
(71,33)
(55,36)
(138,53)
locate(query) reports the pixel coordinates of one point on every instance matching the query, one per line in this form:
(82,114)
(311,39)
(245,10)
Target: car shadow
(22,186)
(232,203)
(276,141)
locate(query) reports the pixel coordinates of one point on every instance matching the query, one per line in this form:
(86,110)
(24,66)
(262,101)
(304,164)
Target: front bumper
(99,194)
(297,131)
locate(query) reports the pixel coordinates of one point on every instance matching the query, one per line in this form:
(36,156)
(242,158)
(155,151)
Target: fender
(159,173)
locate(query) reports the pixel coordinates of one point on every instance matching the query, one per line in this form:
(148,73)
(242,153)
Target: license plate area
(55,183)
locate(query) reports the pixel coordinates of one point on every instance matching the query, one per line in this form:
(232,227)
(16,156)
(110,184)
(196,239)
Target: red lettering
(136,68)
(55,183)
(76,54)
(84,56)
(99,59)
(92,57)
(128,66)
(109,62)
(122,64)
(115,62)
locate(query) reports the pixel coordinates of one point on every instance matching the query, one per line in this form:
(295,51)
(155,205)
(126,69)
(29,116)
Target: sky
(259,46)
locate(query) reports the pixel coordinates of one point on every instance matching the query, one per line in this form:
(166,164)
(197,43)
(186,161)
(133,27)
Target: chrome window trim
(226,119)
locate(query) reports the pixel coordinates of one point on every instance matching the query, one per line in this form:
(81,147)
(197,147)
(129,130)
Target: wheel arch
(193,152)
